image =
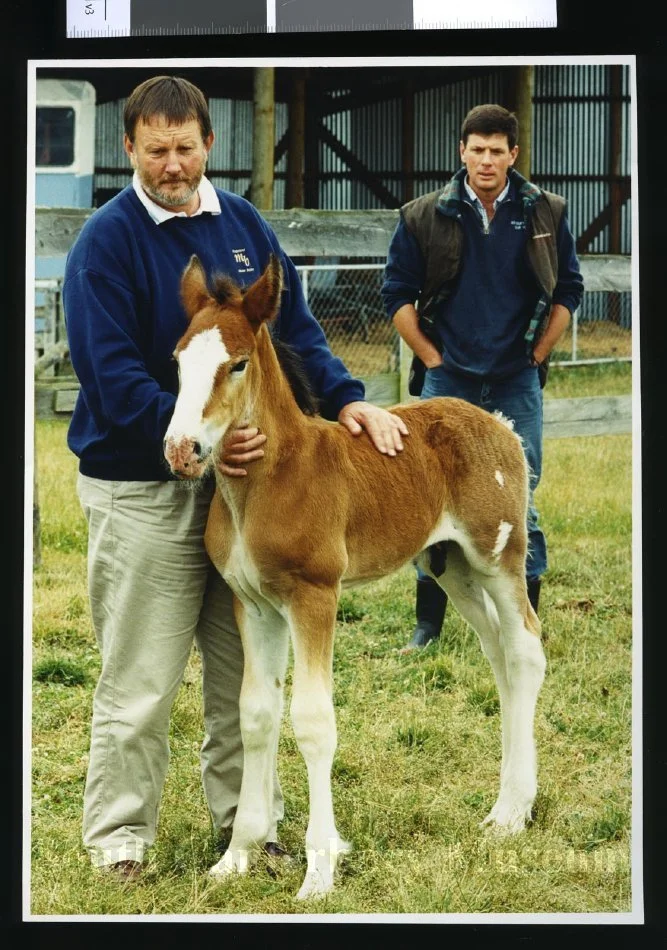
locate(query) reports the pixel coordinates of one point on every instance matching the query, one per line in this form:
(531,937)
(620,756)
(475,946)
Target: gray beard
(173,201)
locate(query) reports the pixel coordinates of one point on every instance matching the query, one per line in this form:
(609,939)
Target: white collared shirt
(208,202)
(476,203)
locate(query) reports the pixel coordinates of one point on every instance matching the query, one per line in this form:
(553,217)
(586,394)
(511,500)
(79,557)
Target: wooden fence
(311,233)
(306,233)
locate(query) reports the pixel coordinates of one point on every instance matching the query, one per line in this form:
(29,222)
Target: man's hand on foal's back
(384,428)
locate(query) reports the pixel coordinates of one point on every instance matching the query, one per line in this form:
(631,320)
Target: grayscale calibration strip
(109,18)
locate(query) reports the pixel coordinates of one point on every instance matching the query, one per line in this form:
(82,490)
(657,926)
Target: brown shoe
(123,870)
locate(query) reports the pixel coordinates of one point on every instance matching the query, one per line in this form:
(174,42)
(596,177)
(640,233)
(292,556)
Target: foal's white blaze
(500,478)
(504,531)
(198,363)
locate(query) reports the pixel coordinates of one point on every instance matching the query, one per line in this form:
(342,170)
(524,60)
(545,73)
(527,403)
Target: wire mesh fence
(49,324)
(601,330)
(345,299)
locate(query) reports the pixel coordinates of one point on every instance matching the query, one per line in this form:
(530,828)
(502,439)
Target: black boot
(533,584)
(430,610)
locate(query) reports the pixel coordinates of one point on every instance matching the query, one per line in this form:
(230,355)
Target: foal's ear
(262,299)
(194,290)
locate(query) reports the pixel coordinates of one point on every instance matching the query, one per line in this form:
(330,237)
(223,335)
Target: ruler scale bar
(112,18)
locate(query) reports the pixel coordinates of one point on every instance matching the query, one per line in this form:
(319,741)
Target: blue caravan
(65,142)
(64,164)
(64,150)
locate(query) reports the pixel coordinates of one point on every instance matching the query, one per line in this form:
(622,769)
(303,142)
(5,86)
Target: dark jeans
(518,398)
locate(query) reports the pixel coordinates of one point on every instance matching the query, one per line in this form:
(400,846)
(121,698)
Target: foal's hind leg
(497,608)
(525,665)
(265,639)
(312,616)
(462,584)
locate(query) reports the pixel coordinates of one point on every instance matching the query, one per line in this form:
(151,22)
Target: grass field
(418,754)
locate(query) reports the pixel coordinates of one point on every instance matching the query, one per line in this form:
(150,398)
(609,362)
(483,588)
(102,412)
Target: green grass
(598,379)
(418,736)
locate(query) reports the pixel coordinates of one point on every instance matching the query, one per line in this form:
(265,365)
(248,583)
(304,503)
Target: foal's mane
(292,366)
(225,290)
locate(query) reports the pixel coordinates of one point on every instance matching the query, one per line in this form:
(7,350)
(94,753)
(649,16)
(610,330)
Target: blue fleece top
(123,313)
(483,323)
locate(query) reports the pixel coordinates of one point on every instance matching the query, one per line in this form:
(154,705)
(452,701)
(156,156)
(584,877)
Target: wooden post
(408,142)
(615,143)
(311,185)
(36,520)
(523,108)
(294,196)
(615,201)
(404,364)
(263,138)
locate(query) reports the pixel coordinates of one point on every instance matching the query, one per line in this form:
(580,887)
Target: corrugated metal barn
(375,137)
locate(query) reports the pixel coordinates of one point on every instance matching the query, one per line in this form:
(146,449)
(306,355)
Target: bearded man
(153,590)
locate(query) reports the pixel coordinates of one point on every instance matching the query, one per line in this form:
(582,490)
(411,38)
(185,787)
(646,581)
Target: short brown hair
(170,96)
(490,119)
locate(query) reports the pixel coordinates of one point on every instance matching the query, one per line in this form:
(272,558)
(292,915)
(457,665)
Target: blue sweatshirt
(123,313)
(483,323)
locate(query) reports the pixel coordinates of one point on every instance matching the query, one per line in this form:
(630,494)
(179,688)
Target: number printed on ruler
(98,17)
(113,17)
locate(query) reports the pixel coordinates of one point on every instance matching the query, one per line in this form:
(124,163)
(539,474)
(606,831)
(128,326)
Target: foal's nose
(195,448)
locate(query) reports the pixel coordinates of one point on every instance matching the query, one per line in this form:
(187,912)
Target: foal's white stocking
(265,644)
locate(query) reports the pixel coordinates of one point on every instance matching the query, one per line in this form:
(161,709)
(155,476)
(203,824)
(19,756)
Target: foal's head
(214,358)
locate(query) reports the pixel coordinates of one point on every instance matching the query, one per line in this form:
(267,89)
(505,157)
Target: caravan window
(55,136)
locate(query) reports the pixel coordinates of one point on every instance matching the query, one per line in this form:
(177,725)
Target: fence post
(263,138)
(295,148)
(404,360)
(524,80)
(36,520)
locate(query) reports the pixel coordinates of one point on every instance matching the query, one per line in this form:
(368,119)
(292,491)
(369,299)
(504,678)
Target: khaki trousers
(153,592)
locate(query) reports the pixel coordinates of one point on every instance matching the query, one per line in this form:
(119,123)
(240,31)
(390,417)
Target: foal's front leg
(312,617)
(265,639)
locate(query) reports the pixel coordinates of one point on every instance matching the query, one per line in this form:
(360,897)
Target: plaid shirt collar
(477,204)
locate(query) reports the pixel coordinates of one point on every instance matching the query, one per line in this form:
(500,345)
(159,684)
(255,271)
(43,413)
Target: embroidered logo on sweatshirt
(519,225)
(242,260)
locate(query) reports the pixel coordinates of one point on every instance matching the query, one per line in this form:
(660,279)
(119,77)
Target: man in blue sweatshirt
(481,280)
(152,588)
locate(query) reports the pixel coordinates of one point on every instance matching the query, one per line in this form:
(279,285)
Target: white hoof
(232,862)
(322,866)
(506,819)
(315,885)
